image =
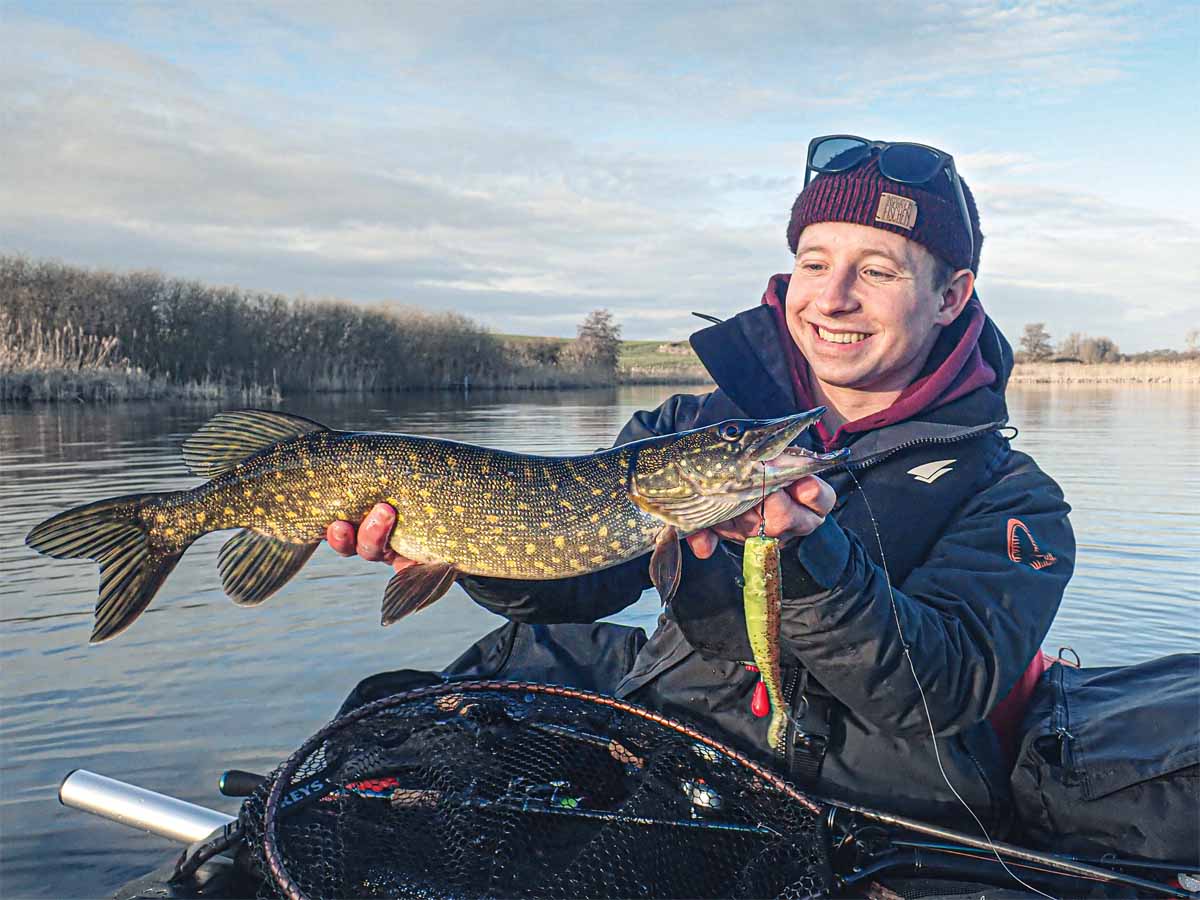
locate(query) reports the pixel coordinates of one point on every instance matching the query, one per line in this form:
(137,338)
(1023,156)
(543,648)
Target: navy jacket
(978,558)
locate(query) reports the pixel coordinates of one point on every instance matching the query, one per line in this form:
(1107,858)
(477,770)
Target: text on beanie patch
(896,210)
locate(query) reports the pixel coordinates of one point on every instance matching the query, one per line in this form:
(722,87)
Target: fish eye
(730,431)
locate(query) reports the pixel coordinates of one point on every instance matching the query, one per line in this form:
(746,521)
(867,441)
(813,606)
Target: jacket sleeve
(972,616)
(586,598)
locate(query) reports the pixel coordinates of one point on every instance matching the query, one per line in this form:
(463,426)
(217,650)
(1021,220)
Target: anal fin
(666,563)
(414,588)
(254,565)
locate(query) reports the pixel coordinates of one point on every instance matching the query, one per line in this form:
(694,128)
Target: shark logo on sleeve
(1022,548)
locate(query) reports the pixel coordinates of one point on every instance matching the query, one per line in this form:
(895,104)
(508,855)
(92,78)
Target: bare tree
(1035,342)
(1071,346)
(1192,341)
(1097,350)
(597,344)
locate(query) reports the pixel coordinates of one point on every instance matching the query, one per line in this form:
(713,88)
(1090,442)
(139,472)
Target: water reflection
(200,685)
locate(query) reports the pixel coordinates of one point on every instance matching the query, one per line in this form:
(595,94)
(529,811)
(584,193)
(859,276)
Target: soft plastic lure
(762,600)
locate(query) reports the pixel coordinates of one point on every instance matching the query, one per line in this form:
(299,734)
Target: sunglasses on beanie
(899,161)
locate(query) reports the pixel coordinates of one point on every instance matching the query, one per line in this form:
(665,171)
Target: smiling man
(918,585)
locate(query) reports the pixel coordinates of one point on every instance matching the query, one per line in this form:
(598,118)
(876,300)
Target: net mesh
(494,789)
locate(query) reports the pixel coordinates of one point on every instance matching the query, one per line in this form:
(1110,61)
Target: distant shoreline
(1159,373)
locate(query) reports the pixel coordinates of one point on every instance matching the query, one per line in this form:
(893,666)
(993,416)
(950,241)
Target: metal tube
(139,808)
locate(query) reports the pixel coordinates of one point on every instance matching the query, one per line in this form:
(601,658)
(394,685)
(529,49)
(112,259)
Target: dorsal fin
(230,437)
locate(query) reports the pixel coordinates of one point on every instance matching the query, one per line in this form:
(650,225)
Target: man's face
(862,306)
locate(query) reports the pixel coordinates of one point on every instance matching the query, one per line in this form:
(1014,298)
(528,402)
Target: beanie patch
(896,210)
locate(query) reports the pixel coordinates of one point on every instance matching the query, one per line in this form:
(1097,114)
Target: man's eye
(812,267)
(878,274)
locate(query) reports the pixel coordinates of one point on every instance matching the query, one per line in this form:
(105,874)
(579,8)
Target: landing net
(503,789)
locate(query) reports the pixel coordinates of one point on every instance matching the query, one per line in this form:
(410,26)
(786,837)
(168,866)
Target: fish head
(698,478)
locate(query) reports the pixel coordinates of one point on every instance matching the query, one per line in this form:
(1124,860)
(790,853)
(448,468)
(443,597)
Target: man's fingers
(374,531)
(813,492)
(400,563)
(341,537)
(703,543)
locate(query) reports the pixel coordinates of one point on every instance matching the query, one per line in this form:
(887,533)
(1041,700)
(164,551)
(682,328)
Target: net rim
(274,859)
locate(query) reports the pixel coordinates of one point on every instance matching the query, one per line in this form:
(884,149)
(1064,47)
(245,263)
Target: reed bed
(141,334)
(1163,372)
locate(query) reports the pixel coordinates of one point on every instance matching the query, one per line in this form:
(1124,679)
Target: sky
(524,163)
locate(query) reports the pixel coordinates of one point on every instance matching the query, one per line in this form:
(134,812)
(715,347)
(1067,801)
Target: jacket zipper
(789,696)
(892,451)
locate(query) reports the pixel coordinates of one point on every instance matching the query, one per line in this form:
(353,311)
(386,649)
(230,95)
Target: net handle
(274,860)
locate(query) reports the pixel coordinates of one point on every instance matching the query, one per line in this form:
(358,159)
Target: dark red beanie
(926,213)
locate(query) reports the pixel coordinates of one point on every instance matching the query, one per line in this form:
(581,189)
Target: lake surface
(198,685)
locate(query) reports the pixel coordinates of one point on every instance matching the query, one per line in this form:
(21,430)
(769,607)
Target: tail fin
(111,532)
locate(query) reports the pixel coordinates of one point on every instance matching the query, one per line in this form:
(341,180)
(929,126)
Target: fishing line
(921,691)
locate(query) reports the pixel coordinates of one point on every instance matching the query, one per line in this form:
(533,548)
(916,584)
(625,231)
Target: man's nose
(837,293)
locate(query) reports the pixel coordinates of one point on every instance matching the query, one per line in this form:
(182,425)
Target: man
(918,586)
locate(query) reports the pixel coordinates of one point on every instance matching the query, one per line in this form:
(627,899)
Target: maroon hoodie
(954,369)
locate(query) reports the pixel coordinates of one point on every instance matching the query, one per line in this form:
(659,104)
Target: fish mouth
(796,462)
(778,433)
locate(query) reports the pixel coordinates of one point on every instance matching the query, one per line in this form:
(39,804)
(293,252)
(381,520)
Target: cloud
(525,163)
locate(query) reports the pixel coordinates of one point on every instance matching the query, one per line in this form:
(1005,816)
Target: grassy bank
(1167,373)
(660,362)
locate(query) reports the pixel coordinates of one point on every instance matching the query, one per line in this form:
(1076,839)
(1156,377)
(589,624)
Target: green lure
(762,600)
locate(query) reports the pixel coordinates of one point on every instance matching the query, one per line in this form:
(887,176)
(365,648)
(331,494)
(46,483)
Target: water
(198,685)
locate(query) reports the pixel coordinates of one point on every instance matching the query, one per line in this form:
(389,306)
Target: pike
(461,509)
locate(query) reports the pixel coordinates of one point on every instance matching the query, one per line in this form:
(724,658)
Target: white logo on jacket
(931,472)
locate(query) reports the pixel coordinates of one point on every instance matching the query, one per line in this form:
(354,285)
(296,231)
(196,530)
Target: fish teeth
(841,337)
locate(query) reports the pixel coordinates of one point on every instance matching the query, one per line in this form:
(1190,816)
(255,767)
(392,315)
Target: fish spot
(383,479)
(429,510)
(314,510)
(491,518)
(259,511)
(560,541)
(543,524)
(522,505)
(631,523)
(279,498)
(451,461)
(228,510)
(247,492)
(458,509)
(424,492)
(584,548)
(531,549)
(597,491)
(440,529)
(597,560)
(501,549)
(616,545)
(594,517)
(311,473)
(467,529)
(567,504)
(379,461)
(314,494)
(168,531)
(603,532)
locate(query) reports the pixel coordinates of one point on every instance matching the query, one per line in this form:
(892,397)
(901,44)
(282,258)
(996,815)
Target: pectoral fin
(253,565)
(666,563)
(415,588)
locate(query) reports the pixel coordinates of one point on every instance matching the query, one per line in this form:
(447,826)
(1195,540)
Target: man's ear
(954,296)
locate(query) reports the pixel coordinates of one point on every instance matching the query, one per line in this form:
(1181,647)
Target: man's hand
(370,539)
(795,511)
